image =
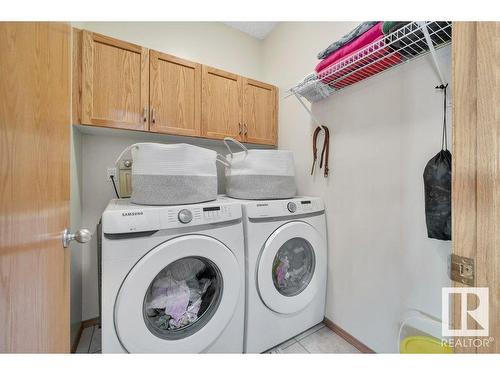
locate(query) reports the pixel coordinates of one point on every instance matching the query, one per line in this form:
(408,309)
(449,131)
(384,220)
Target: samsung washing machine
(172,278)
(286,268)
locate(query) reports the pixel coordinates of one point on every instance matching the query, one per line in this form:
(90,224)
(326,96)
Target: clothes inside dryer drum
(182,298)
(293,266)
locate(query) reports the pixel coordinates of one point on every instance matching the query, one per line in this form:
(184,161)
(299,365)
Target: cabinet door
(221,104)
(115,83)
(259,112)
(175,95)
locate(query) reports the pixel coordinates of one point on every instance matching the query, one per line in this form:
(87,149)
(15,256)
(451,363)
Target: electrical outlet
(111,172)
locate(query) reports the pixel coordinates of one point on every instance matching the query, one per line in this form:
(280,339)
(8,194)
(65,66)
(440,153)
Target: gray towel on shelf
(349,37)
(313,89)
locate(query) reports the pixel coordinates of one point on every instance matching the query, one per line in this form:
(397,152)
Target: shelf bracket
(308,110)
(432,50)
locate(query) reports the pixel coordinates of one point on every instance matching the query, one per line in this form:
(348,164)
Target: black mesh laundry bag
(437,184)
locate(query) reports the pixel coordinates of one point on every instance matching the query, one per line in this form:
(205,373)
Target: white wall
(211,43)
(383,132)
(100,148)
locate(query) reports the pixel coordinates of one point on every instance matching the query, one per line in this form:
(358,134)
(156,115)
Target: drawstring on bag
(444,139)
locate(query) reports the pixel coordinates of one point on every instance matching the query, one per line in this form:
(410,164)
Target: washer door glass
(293,266)
(180,270)
(182,298)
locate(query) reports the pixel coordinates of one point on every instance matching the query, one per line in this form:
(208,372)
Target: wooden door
(221,104)
(175,95)
(115,83)
(476,162)
(260,121)
(34,187)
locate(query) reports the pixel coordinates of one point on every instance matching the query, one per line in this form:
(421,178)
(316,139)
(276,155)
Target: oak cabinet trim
(256,83)
(104,39)
(88,43)
(76,78)
(221,73)
(154,57)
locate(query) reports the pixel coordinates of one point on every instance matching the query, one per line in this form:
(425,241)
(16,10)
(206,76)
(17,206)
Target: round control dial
(185,216)
(292,207)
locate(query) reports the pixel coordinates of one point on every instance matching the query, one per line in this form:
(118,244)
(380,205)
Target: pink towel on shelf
(369,62)
(370,36)
(386,59)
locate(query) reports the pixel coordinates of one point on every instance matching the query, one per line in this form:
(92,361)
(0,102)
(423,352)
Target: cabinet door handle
(153,117)
(245,129)
(240,128)
(145,114)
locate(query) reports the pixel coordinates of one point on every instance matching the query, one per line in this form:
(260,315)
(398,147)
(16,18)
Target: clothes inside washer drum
(260,187)
(172,190)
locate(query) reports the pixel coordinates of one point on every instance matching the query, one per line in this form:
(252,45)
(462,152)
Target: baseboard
(90,322)
(347,337)
(85,324)
(335,328)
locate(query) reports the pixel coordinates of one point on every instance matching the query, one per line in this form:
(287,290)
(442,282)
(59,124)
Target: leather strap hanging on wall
(324,151)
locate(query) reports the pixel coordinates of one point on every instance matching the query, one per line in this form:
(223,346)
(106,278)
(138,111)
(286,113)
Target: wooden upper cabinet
(122,85)
(175,95)
(115,83)
(221,104)
(259,112)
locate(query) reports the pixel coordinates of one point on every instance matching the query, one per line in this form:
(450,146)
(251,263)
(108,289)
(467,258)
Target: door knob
(81,236)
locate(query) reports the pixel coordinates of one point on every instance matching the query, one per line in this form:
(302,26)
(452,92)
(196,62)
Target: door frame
(476,166)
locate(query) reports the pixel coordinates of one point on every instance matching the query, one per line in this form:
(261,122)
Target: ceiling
(259,30)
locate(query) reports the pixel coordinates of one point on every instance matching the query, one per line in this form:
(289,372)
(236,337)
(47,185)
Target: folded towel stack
(414,44)
(349,37)
(372,34)
(369,61)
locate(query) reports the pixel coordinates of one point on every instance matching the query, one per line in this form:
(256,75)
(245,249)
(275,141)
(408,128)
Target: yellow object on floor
(424,345)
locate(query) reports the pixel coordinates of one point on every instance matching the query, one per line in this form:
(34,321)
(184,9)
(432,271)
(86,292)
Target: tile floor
(90,341)
(318,339)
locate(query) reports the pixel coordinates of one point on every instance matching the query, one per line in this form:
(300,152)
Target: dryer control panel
(284,208)
(123,217)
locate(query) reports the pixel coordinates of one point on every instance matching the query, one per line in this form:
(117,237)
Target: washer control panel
(123,217)
(201,214)
(285,207)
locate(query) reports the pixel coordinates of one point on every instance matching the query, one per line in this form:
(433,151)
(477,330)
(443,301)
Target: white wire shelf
(411,41)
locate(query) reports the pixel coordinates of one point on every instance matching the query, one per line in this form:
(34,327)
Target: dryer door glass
(293,266)
(182,298)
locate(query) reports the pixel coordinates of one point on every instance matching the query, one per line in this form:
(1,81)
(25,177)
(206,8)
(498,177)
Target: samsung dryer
(286,247)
